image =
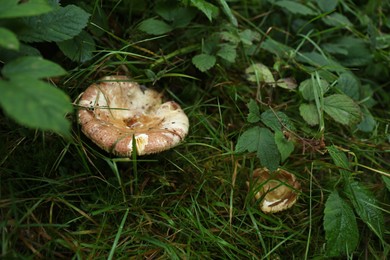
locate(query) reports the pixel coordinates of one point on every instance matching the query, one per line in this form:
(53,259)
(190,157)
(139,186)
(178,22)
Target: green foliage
(25,97)
(203,61)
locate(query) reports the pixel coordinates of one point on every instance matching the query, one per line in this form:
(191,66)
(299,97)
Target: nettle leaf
(17,8)
(227,52)
(309,113)
(341,230)
(342,109)
(204,61)
(61,24)
(206,8)
(295,8)
(8,39)
(349,85)
(32,67)
(80,48)
(260,140)
(254,112)
(260,73)
(285,147)
(366,207)
(340,160)
(277,121)
(306,88)
(36,104)
(154,26)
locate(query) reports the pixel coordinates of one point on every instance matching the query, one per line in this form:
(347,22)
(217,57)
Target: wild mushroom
(115,111)
(278,190)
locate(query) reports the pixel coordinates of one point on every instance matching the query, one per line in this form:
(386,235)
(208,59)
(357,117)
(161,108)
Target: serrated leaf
(368,122)
(295,8)
(80,48)
(340,160)
(306,88)
(260,140)
(248,36)
(277,121)
(254,112)
(342,109)
(309,113)
(8,39)
(206,8)
(204,61)
(285,147)
(61,24)
(366,207)
(227,52)
(349,85)
(36,104)
(260,73)
(341,231)
(32,67)
(328,5)
(17,8)
(154,26)
(178,16)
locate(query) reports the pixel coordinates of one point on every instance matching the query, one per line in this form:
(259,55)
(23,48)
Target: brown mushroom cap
(115,110)
(278,190)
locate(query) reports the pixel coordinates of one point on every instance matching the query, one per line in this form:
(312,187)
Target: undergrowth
(305,82)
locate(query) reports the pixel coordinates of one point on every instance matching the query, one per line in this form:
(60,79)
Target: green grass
(69,199)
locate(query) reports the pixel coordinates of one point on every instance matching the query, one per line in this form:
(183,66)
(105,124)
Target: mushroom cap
(278,190)
(116,110)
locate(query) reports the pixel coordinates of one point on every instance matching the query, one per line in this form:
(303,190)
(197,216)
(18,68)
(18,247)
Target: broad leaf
(309,113)
(155,27)
(366,207)
(328,5)
(59,25)
(342,109)
(32,67)
(341,161)
(206,8)
(17,8)
(320,61)
(36,104)
(295,8)
(349,85)
(204,62)
(341,231)
(8,39)
(368,122)
(254,113)
(285,147)
(306,88)
(260,140)
(227,52)
(336,19)
(80,48)
(260,73)
(277,121)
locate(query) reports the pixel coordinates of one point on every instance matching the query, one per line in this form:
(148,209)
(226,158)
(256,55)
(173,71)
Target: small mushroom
(278,190)
(115,111)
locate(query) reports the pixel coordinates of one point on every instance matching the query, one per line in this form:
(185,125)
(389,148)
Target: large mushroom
(276,191)
(115,111)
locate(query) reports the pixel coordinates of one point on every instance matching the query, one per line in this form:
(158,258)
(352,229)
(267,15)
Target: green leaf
(59,25)
(206,8)
(254,113)
(342,109)
(277,121)
(154,26)
(80,48)
(285,147)
(328,5)
(178,16)
(203,61)
(341,231)
(309,113)
(287,83)
(320,61)
(306,88)
(277,48)
(32,67)
(340,160)
(337,20)
(8,39)
(248,36)
(386,180)
(36,104)
(358,51)
(227,52)
(366,207)
(262,141)
(17,8)
(295,8)
(226,9)
(349,85)
(260,73)
(368,122)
